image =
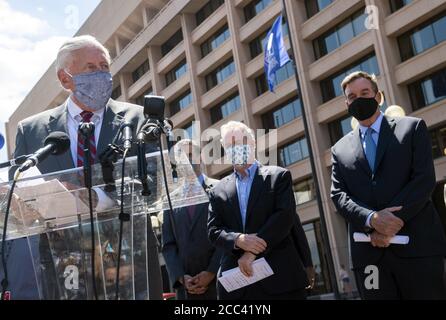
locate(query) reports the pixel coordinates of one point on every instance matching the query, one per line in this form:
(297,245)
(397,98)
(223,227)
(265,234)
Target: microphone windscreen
(60,140)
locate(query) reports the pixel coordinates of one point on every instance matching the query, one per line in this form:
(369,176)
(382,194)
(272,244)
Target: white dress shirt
(376,126)
(74,119)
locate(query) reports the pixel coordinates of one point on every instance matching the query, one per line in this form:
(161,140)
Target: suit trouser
(255,292)
(404,278)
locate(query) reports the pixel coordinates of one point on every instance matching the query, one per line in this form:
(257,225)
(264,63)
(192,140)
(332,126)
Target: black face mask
(363,108)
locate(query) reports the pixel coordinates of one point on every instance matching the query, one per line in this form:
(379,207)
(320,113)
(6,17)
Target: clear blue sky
(31,31)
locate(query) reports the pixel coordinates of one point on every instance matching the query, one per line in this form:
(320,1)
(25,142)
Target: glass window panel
(304,148)
(331,42)
(440,29)
(423,39)
(323,3)
(345,32)
(359,24)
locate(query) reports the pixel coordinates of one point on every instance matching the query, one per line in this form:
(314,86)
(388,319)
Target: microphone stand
(152,131)
(87,129)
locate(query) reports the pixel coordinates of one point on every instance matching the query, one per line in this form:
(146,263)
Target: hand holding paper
(234,279)
(362,237)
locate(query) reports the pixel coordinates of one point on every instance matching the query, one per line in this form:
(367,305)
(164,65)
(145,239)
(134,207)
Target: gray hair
(66,50)
(247,131)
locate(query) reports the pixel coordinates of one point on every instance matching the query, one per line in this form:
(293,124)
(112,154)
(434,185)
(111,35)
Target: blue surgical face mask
(239,154)
(93,89)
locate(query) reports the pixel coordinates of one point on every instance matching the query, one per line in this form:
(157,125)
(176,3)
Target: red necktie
(86,117)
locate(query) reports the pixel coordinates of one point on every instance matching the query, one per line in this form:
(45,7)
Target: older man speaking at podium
(83,69)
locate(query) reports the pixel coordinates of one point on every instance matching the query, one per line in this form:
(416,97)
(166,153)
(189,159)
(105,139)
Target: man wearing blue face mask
(252,214)
(83,70)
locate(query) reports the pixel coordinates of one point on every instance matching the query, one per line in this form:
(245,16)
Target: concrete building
(206,58)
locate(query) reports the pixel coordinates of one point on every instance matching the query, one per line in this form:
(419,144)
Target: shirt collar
(75,112)
(376,126)
(251,171)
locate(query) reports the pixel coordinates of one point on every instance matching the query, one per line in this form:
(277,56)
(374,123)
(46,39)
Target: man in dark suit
(83,69)
(382,180)
(251,215)
(191,261)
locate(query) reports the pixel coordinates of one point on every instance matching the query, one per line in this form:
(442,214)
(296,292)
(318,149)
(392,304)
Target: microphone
(127,129)
(14,162)
(168,126)
(56,143)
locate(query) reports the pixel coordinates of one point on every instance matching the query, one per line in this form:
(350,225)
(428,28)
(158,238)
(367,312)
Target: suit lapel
(111,123)
(58,122)
(231,192)
(358,151)
(255,192)
(385,133)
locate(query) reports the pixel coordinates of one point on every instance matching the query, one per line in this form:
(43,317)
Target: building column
(241,58)
(154,54)
(192,58)
(312,98)
(388,56)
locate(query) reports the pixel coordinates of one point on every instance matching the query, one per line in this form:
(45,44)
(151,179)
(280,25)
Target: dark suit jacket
(404,176)
(270,214)
(31,134)
(191,253)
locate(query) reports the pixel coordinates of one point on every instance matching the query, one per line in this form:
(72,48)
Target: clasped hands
(386,225)
(199,283)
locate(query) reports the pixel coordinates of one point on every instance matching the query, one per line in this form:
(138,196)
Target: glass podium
(52,212)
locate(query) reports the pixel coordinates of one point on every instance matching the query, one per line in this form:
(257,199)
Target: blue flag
(276,55)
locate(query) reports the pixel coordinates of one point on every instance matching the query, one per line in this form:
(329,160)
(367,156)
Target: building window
(140,100)
(116,93)
(140,71)
(188,130)
(293,152)
(220,74)
(339,128)
(207,10)
(395,5)
(180,103)
(256,46)
(423,37)
(331,87)
(225,108)
(339,35)
(173,41)
(438,136)
(314,6)
(255,7)
(176,73)
(282,74)
(215,41)
(313,234)
(304,191)
(428,90)
(283,114)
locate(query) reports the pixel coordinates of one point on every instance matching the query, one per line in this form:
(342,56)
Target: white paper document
(51,199)
(234,279)
(362,237)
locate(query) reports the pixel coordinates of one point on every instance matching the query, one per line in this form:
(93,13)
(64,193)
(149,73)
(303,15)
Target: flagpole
(331,268)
